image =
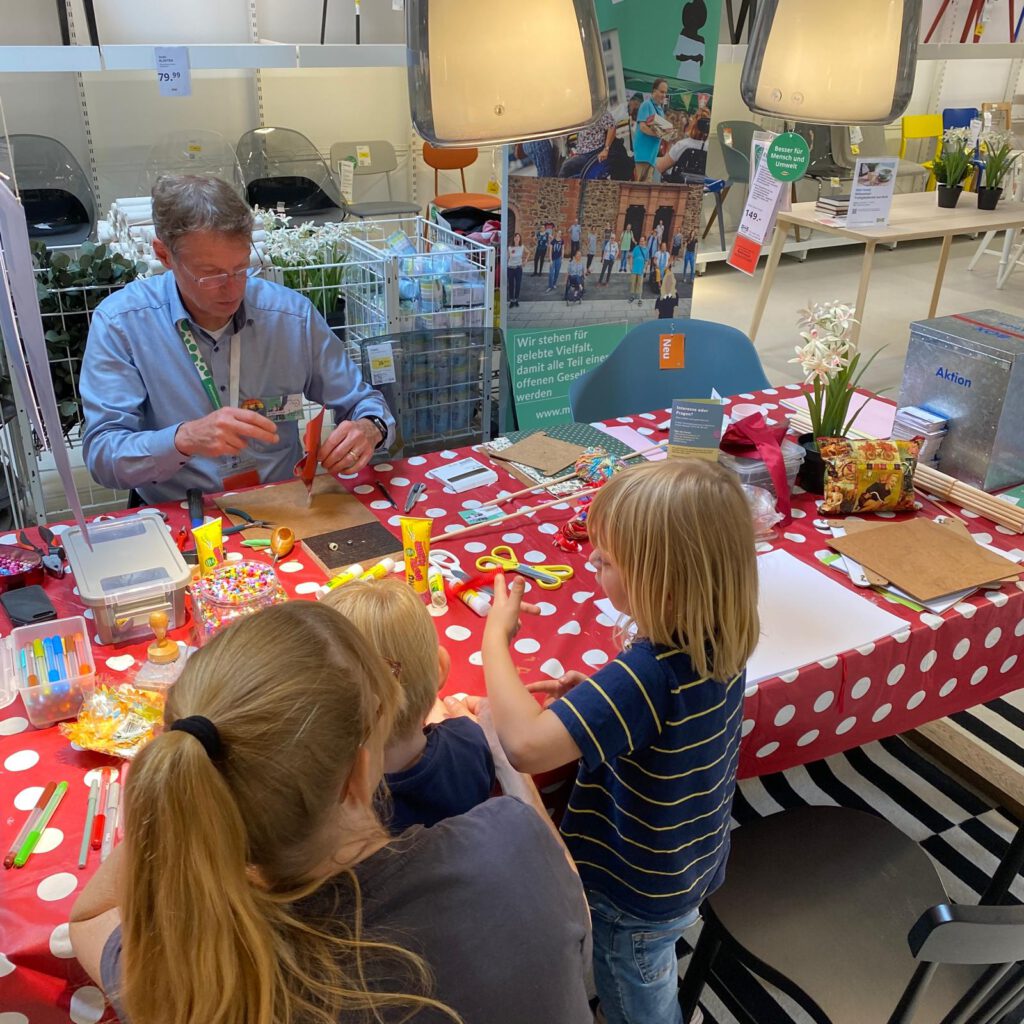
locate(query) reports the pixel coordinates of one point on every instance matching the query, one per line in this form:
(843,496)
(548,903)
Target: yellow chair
(915,127)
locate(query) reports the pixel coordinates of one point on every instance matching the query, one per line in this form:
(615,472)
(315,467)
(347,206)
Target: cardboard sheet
(366,544)
(333,508)
(923,559)
(549,455)
(807,616)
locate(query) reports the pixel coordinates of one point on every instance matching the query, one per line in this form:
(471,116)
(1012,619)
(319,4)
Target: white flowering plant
(831,365)
(953,163)
(997,147)
(311,257)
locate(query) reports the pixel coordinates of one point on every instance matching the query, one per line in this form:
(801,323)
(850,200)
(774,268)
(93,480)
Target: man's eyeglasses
(212,282)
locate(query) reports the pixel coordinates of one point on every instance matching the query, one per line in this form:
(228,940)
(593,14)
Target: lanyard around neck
(205,376)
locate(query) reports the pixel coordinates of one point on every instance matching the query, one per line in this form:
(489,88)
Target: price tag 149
(172,70)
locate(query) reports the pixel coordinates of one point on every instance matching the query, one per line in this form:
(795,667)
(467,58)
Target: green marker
(33,837)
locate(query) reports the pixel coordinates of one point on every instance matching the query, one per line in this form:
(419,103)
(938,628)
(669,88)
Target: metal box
(969,368)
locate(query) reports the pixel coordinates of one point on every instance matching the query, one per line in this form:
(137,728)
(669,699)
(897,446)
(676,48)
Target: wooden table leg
(774,255)
(862,288)
(947,242)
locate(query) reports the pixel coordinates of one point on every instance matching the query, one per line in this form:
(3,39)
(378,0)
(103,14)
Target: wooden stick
(563,479)
(567,498)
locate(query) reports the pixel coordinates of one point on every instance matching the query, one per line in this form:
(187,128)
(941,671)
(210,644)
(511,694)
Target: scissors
(548,577)
(248,524)
(450,565)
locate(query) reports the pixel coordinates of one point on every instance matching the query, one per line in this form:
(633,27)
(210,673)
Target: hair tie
(203,730)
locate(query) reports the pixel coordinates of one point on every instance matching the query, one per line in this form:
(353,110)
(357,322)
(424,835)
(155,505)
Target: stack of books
(833,206)
(913,421)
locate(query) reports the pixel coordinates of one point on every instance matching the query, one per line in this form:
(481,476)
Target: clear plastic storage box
(53,689)
(754,472)
(133,569)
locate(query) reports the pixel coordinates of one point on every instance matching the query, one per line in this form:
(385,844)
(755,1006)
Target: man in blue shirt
(647,138)
(195,378)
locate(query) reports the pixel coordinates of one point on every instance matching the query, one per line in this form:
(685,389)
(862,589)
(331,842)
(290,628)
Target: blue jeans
(554,271)
(635,966)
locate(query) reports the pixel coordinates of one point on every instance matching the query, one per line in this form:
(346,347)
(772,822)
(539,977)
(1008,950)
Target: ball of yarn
(596,466)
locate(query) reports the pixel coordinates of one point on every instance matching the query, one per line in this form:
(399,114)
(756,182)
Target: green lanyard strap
(192,348)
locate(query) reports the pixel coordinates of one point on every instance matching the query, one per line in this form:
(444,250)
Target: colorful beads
(19,566)
(232,590)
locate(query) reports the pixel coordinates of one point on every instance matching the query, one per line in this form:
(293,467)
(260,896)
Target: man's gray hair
(183,203)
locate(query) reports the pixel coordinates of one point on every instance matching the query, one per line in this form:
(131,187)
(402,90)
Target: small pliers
(248,524)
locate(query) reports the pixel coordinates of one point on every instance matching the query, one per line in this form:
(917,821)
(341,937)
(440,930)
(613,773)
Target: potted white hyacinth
(832,367)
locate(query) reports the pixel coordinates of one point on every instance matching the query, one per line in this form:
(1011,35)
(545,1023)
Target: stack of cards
(913,421)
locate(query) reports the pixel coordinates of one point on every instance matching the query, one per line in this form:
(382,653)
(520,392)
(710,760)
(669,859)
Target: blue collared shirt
(139,384)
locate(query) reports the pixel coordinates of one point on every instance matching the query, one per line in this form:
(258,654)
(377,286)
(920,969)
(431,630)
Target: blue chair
(630,380)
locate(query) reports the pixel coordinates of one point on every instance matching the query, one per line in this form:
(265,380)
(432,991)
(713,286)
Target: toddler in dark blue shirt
(436,770)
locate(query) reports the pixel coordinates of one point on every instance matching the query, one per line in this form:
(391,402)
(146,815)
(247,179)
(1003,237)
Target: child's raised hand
(556,688)
(503,618)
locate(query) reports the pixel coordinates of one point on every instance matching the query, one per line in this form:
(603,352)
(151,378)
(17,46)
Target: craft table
(936,666)
(914,215)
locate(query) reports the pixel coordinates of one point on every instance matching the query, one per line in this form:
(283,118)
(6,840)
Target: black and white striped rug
(965,834)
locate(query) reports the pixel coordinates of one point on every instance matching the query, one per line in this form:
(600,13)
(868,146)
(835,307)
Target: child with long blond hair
(256,884)
(657,729)
(433,771)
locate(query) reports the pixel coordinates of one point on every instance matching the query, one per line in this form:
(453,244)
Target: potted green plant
(69,287)
(832,367)
(952,165)
(997,149)
(311,259)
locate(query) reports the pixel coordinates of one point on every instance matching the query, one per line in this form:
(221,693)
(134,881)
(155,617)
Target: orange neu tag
(672,350)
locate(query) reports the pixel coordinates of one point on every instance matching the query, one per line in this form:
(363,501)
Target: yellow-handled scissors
(548,577)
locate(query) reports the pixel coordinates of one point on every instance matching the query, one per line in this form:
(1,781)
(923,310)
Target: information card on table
(696,428)
(874,182)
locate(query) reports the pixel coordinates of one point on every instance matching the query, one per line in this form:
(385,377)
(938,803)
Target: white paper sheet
(806,616)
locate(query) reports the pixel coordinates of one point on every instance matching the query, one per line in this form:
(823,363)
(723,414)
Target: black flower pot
(988,197)
(811,476)
(949,195)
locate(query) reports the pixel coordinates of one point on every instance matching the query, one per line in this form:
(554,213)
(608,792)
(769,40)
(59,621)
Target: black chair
(847,915)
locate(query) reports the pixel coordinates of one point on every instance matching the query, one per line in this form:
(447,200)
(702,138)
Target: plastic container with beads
(231,591)
(51,680)
(19,567)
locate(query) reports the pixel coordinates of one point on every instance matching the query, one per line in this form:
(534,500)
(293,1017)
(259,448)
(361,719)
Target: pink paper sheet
(632,439)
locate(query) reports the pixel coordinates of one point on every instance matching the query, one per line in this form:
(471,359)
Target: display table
(936,666)
(913,215)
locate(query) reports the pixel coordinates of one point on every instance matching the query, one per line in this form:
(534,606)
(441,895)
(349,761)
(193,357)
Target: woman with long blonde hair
(256,885)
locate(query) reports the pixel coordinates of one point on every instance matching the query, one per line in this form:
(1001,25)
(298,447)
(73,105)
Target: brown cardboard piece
(366,544)
(859,526)
(546,454)
(922,558)
(284,504)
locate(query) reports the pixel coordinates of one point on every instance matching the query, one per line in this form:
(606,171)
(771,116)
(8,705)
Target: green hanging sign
(788,157)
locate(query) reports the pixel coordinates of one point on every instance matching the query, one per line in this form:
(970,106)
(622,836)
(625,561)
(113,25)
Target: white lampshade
(832,61)
(489,71)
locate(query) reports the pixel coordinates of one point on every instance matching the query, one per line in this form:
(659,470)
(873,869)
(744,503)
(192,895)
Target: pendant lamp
(490,71)
(832,61)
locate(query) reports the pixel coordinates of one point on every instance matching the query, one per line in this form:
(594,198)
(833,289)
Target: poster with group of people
(604,225)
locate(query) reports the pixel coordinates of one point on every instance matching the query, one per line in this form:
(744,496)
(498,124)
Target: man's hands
(349,447)
(224,432)
(503,618)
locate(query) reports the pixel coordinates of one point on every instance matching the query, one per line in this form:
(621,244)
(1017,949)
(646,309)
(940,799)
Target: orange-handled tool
(282,540)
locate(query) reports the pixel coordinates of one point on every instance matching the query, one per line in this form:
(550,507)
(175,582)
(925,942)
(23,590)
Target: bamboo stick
(568,499)
(931,481)
(563,479)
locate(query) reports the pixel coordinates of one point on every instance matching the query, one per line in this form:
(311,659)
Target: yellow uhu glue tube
(416,546)
(435,581)
(209,545)
(353,572)
(380,570)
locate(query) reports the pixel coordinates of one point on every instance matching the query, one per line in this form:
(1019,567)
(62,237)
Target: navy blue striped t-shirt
(648,818)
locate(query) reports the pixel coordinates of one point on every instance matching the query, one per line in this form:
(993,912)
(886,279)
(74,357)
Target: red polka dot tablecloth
(937,665)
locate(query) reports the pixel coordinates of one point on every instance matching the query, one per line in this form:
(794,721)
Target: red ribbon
(752,438)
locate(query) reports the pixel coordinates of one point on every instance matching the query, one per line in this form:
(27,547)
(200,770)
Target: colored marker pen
(101,804)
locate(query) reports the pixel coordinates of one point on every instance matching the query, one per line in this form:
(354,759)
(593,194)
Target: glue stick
(475,600)
(435,581)
(380,570)
(352,573)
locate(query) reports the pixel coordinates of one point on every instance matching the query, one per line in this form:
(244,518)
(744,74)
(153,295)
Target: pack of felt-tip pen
(50,665)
